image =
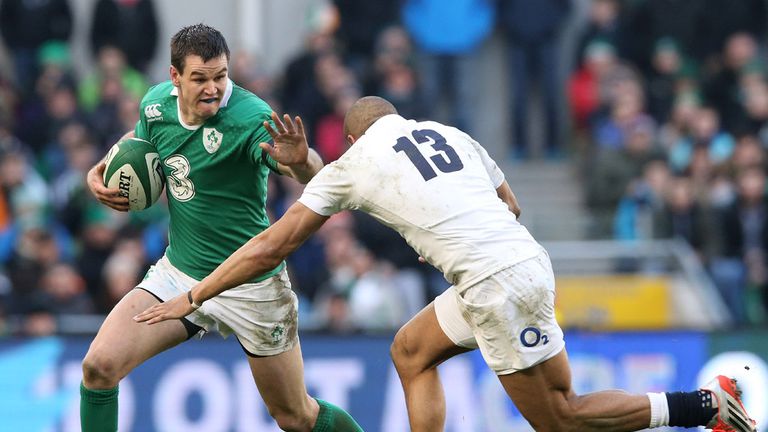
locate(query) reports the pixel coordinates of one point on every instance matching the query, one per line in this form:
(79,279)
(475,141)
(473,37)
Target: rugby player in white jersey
(441,191)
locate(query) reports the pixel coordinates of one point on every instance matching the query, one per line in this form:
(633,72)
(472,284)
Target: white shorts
(263,315)
(510,316)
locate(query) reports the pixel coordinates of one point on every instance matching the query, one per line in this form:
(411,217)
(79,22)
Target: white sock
(659,410)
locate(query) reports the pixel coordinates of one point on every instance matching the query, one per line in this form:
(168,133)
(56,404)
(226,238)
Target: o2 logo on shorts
(531,336)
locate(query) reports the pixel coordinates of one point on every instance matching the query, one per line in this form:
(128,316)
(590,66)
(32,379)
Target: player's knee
(398,351)
(100,371)
(403,355)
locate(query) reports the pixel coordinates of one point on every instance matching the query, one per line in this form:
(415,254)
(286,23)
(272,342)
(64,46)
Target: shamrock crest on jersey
(212,139)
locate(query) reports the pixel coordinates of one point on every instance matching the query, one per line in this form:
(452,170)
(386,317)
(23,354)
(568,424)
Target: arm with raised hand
(290,150)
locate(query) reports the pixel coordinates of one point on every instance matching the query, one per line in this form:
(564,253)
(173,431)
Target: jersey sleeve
(259,135)
(493,170)
(329,191)
(267,160)
(141,130)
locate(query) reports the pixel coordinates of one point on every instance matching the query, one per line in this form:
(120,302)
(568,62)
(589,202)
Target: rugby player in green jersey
(213,139)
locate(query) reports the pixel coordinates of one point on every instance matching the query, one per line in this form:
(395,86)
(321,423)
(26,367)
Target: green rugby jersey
(215,173)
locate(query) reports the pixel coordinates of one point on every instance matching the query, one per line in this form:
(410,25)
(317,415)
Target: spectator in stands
(722,89)
(26,191)
(685,218)
(36,251)
(329,136)
(447,33)
(128,25)
(374,300)
(712,185)
(603,23)
(412,279)
(727,17)
(587,89)
(661,85)
(754,95)
(25,26)
(51,106)
(300,90)
(749,152)
(613,171)
(626,111)
(705,132)
(69,193)
(121,272)
(533,31)
(332,298)
(640,210)
(62,291)
(38,322)
(647,21)
(8,143)
(97,242)
(743,236)
(401,86)
(676,126)
(359,25)
(112,77)
(393,47)
(248,72)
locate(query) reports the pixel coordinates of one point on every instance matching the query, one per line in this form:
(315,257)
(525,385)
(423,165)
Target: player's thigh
(122,343)
(513,318)
(541,392)
(435,334)
(263,315)
(280,380)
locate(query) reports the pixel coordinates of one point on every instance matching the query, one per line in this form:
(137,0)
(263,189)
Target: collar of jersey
(224,102)
(384,122)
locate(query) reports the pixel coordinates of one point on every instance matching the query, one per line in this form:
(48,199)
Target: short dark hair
(199,39)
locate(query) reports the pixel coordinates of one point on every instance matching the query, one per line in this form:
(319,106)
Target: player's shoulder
(442,127)
(159,93)
(245,104)
(159,104)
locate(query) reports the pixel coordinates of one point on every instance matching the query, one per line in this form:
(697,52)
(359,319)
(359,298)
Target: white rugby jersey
(434,185)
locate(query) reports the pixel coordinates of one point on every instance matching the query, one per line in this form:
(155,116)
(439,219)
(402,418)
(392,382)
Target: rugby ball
(133,167)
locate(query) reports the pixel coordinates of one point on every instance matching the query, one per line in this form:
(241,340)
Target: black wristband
(192,303)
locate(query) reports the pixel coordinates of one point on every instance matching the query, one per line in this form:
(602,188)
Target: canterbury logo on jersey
(152,112)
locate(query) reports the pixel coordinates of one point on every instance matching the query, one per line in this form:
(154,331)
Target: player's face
(201,87)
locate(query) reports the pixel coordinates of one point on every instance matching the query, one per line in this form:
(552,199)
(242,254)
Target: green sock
(98,410)
(334,419)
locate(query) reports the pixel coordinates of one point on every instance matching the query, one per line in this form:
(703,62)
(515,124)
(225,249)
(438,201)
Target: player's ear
(350,139)
(175,75)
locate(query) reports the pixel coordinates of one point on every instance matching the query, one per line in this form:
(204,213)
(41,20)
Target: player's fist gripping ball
(133,167)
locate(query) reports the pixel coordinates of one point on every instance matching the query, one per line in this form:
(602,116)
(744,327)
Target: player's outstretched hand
(175,308)
(289,141)
(108,197)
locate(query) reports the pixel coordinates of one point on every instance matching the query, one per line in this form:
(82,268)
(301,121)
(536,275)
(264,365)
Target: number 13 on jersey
(446,160)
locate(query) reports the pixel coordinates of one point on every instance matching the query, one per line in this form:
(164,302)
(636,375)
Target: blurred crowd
(668,108)
(669,105)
